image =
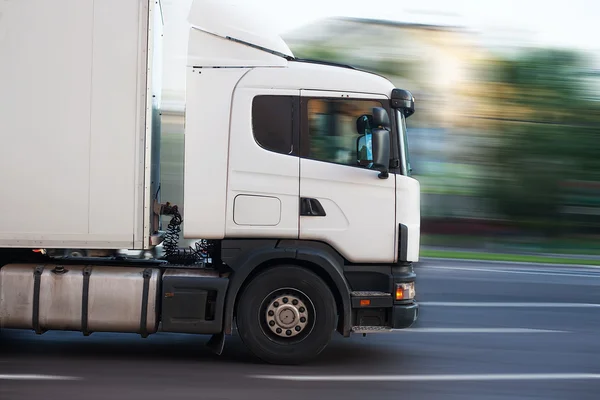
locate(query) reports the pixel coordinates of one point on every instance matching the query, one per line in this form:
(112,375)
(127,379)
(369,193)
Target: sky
(572,24)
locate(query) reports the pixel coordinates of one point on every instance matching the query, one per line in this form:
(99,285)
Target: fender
(245,256)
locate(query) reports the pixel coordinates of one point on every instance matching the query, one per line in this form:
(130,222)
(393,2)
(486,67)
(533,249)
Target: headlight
(405,291)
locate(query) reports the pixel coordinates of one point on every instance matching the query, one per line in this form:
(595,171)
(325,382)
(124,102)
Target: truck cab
(282,140)
(306,158)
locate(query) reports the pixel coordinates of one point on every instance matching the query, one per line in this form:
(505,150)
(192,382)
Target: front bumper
(404,315)
(374,307)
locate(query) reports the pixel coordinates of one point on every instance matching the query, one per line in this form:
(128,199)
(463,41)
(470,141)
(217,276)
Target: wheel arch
(317,259)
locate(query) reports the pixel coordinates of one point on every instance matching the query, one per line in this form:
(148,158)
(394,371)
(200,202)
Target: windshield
(403,140)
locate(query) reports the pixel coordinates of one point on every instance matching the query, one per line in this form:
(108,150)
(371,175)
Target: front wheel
(286,315)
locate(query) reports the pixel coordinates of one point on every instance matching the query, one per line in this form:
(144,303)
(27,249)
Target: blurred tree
(545,131)
(319,52)
(404,68)
(385,66)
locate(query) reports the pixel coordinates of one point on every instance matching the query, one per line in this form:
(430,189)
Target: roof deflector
(236,23)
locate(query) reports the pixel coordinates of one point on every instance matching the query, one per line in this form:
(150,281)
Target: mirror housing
(381,141)
(364,123)
(378,155)
(381,119)
(403,100)
(381,151)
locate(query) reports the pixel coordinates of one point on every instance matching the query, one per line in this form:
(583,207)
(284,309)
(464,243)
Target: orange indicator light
(399,293)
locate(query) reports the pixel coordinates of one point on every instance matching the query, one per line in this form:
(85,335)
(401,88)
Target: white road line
(506,304)
(509,271)
(479,330)
(23,377)
(431,378)
(541,264)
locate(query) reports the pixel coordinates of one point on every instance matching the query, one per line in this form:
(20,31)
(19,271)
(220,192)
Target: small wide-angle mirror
(364,150)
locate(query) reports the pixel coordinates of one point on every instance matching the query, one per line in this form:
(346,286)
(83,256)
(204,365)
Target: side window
(333,129)
(272,122)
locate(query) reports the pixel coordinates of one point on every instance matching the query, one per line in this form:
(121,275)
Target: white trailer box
(79,122)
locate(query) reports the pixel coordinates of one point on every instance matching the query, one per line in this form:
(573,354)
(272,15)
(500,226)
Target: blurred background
(506,138)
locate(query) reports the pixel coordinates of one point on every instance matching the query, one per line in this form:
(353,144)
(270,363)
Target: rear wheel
(286,315)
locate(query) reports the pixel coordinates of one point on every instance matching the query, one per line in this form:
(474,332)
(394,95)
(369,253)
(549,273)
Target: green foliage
(321,53)
(520,258)
(558,141)
(405,68)
(388,67)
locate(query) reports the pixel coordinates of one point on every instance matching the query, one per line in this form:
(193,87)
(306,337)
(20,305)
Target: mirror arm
(383,175)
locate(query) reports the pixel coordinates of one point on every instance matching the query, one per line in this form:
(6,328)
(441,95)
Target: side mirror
(403,100)
(381,141)
(381,151)
(373,149)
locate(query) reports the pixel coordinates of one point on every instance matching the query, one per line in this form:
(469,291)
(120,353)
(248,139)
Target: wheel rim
(75,253)
(287,315)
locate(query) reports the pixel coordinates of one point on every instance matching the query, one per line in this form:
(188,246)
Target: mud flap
(216,343)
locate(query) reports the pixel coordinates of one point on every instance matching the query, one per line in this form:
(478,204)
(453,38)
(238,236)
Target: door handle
(311,208)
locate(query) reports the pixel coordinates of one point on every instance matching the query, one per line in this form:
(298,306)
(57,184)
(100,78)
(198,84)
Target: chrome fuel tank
(79,298)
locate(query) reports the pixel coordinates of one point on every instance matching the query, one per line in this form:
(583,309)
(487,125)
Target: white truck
(297,186)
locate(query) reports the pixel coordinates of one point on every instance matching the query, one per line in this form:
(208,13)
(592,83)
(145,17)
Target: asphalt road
(487,331)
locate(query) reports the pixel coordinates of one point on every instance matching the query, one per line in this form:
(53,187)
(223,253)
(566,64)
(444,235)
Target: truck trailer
(298,193)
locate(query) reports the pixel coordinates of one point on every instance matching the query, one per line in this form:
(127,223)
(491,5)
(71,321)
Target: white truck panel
(256,211)
(115,104)
(307,76)
(72,122)
(148,184)
(206,150)
(45,117)
(271,179)
(408,212)
(360,221)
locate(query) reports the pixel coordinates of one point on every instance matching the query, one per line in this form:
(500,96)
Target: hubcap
(286,315)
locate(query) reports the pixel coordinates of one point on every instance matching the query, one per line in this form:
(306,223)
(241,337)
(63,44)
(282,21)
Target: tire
(257,305)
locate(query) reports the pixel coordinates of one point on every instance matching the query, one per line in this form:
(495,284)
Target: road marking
(431,378)
(465,330)
(509,271)
(478,330)
(507,304)
(23,377)
(541,264)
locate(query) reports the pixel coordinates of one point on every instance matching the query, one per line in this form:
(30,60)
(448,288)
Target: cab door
(342,203)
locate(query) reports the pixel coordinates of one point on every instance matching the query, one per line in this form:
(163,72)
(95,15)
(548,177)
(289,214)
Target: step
(371,329)
(370,294)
